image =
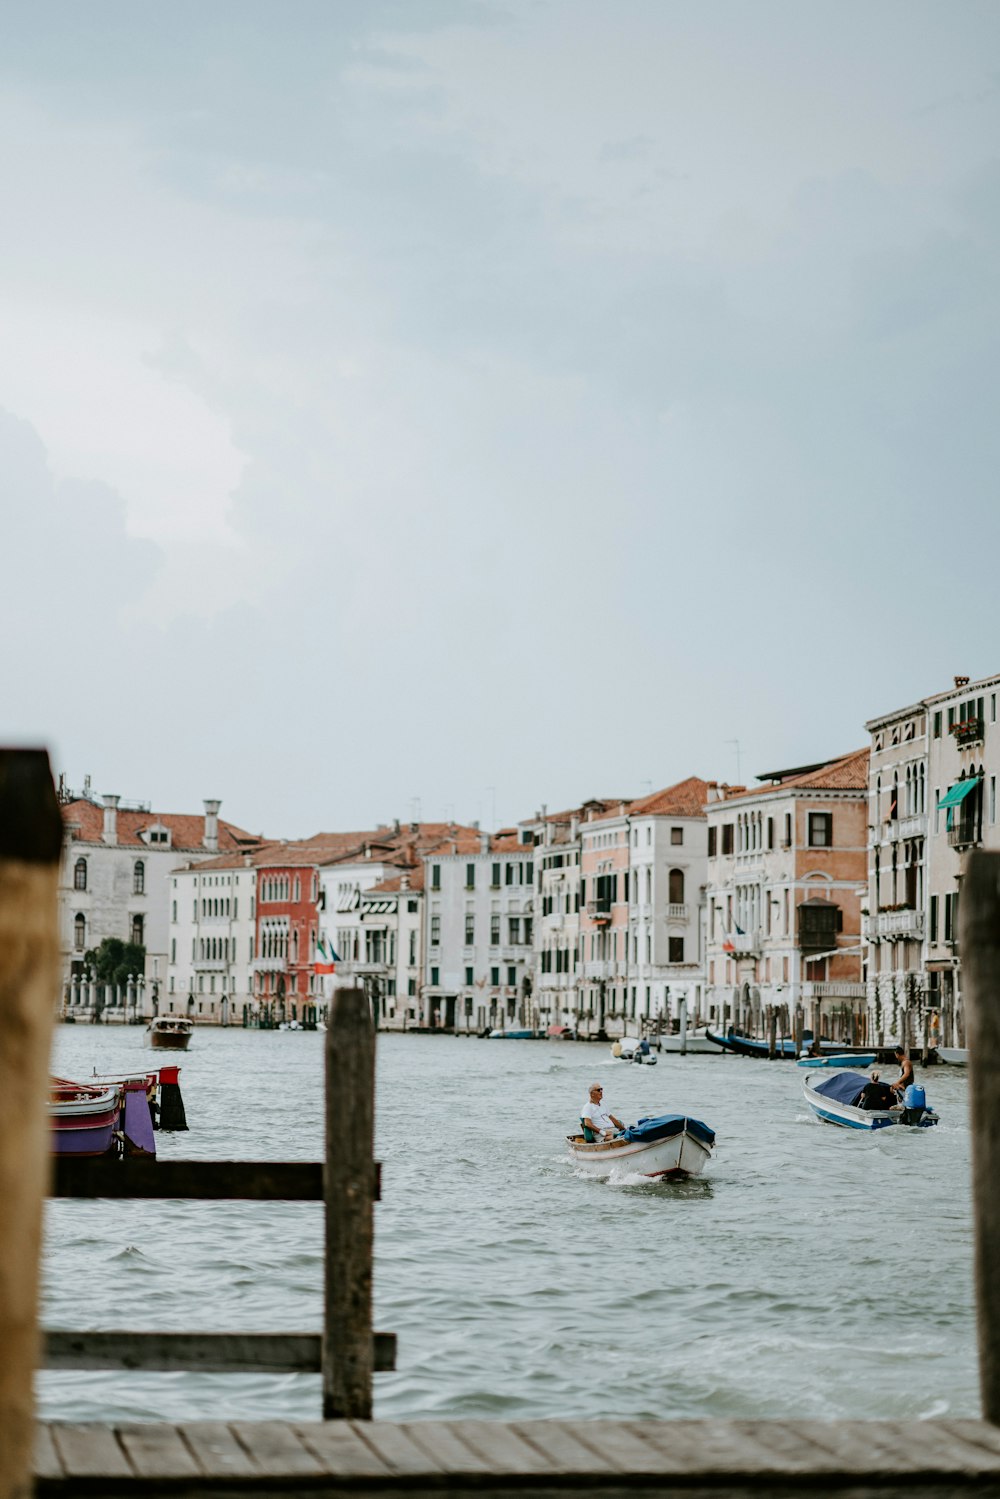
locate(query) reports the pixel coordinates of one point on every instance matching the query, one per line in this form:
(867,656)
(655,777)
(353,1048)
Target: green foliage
(115,961)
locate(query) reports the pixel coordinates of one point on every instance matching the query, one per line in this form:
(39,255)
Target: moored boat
(512,1035)
(840,1059)
(836,1100)
(671,1147)
(170,1032)
(953,1056)
(84,1117)
(697,1041)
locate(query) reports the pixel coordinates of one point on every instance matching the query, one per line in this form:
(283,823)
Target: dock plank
(564,1449)
(156,1451)
(440,1441)
(216,1451)
(397,1449)
(276,1449)
(341,1451)
(498,1444)
(88,1450)
(45,1459)
(627,1453)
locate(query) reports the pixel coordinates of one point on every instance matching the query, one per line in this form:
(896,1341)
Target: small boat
(834,1100)
(671,1147)
(561,1033)
(170,1032)
(953,1056)
(629,1052)
(512,1035)
(840,1059)
(697,1041)
(84,1117)
(746,1046)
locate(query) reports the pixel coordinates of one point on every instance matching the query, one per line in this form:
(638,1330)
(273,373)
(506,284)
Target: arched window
(80,875)
(80,931)
(138,878)
(676,887)
(138,924)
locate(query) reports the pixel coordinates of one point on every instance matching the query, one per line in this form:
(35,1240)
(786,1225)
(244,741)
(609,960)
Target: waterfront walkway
(848,1459)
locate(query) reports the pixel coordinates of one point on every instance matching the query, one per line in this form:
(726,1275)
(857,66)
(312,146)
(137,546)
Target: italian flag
(326,959)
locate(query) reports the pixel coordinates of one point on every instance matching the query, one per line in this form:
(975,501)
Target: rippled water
(811,1273)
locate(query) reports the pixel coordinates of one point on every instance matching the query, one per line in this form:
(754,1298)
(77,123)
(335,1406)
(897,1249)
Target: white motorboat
(671,1147)
(954,1056)
(696,1041)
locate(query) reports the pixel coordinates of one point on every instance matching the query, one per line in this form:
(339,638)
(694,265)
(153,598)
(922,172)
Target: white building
(212,940)
(115,878)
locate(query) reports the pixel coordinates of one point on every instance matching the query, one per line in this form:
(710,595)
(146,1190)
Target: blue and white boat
(844,1059)
(670,1147)
(835,1100)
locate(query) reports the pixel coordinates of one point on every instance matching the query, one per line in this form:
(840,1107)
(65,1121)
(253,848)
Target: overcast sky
(458,407)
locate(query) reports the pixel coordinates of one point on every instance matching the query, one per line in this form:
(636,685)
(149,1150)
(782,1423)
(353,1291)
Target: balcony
(834,991)
(968,731)
(212,965)
(913,827)
(742,944)
(599,911)
(677,911)
(966,835)
(905,923)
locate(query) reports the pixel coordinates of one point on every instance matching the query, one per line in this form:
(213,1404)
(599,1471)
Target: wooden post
(683,1007)
(979,944)
(30,845)
(772,1027)
(348,1177)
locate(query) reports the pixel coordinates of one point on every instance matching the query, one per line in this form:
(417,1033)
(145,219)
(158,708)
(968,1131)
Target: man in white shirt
(596,1117)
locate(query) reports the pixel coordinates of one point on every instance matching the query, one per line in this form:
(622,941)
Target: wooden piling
(30,845)
(979,944)
(348,1182)
(772,1032)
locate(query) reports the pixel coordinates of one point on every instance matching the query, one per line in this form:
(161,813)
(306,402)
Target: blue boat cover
(665,1125)
(845,1087)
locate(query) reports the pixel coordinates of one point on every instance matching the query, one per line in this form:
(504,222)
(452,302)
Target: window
(676,949)
(495,977)
(770,832)
(509,874)
(468,977)
(470,876)
(412,958)
(435,876)
(411,907)
(788,831)
(676,878)
(138,878)
(80,875)
(435,931)
(514,930)
(711,842)
(727,837)
(435,977)
(495,929)
(676,836)
(80,931)
(138,923)
(820,829)
(411,986)
(470,928)
(512,977)
(495,877)
(933,918)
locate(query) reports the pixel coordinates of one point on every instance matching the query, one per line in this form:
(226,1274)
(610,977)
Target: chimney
(395,824)
(713,792)
(574,827)
(211,838)
(484,843)
(110,834)
(961,681)
(404,881)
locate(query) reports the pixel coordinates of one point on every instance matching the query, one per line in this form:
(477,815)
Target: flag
(325,959)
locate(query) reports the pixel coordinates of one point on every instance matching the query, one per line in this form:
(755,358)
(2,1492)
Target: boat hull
(953,1056)
(676,1159)
(696,1041)
(175,1036)
(84,1122)
(865,1059)
(830,1111)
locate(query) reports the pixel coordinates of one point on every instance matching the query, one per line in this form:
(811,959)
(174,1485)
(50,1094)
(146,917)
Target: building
(558,877)
(115,878)
(932,798)
(785,880)
(213,925)
(604,925)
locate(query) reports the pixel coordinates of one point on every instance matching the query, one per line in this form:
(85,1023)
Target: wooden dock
(714,1459)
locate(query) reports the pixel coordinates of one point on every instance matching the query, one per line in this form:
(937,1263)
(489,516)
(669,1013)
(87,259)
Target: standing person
(905,1078)
(596,1118)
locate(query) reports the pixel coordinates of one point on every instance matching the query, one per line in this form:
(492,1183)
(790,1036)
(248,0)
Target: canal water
(810,1273)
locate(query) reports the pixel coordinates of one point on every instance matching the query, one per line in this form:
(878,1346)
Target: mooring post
(349,1185)
(772,1032)
(979,944)
(30,845)
(683,1008)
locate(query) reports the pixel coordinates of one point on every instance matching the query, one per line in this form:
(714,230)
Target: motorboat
(628,1051)
(560,1033)
(696,1041)
(170,1032)
(840,1059)
(953,1056)
(670,1147)
(836,1100)
(520,1034)
(84,1117)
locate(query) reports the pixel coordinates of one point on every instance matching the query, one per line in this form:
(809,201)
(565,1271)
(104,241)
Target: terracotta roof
(848,773)
(395,883)
(686,799)
(187,829)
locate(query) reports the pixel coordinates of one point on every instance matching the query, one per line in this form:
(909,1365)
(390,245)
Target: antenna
(739,774)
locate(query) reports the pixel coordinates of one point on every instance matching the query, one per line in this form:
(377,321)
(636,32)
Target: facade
(479,932)
(604,926)
(933,798)
(786,870)
(391,935)
(212,940)
(115,878)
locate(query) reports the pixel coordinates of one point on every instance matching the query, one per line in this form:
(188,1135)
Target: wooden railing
(347,1352)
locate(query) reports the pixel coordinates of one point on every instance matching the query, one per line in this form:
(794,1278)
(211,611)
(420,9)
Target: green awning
(958,792)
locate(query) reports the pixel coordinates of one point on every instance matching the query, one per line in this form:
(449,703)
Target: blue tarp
(665,1125)
(845,1087)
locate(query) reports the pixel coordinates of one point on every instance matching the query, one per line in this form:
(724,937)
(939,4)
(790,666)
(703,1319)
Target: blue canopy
(845,1087)
(665,1125)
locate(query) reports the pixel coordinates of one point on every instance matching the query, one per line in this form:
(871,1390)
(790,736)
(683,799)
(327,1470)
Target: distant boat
(629,1051)
(512,1035)
(671,1147)
(835,1100)
(839,1059)
(170,1032)
(954,1056)
(561,1033)
(745,1046)
(84,1117)
(697,1041)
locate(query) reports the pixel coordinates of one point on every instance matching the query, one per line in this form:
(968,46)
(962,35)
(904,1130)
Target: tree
(115,961)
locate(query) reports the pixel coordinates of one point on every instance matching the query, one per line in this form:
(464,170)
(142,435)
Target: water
(810,1273)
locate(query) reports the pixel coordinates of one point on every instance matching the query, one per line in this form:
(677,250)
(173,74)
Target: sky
(444,408)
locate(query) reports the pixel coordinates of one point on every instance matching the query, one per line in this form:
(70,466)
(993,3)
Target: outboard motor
(914,1104)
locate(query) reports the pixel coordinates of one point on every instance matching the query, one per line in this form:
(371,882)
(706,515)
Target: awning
(958,792)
